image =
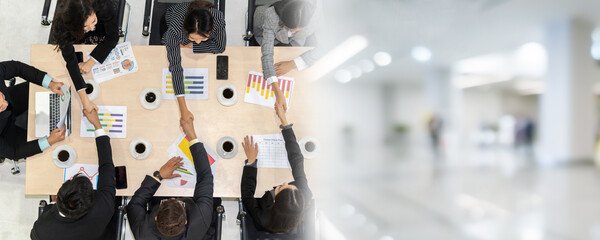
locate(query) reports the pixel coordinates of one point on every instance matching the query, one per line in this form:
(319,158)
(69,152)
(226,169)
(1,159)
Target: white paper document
(181,148)
(259,92)
(113,120)
(88,170)
(65,104)
(271,151)
(119,62)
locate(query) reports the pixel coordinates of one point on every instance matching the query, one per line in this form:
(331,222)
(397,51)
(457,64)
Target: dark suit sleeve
(9,150)
(296,161)
(106,173)
(111,26)
(68,53)
(204,178)
(248,188)
(136,208)
(10,69)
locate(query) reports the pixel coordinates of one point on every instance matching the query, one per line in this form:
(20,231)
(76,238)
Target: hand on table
(250,148)
(284,67)
(166,171)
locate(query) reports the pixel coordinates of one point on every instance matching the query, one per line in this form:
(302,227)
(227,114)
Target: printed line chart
(195,81)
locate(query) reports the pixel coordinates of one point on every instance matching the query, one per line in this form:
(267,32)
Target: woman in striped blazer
(197,25)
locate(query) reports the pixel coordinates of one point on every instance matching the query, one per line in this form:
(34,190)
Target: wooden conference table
(161,126)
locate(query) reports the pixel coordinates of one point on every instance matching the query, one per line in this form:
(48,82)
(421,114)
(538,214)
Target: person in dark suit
(183,218)
(14,104)
(80,212)
(85,22)
(280,209)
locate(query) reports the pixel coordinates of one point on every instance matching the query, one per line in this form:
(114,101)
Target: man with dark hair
(14,104)
(80,212)
(282,208)
(184,218)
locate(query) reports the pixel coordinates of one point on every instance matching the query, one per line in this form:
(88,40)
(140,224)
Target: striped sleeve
(172,40)
(174,56)
(218,39)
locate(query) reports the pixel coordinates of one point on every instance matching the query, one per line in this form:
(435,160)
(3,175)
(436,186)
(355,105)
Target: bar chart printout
(259,92)
(195,81)
(113,120)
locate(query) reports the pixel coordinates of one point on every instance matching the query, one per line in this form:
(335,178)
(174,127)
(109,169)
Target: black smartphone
(79,56)
(222,67)
(121,177)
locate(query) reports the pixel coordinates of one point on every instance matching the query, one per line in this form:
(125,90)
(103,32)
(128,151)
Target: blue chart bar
(195,92)
(194,77)
(194,87)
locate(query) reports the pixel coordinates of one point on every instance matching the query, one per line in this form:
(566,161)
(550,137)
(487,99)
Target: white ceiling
(452,29)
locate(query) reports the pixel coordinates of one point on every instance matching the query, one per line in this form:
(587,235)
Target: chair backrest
(159,9)
(306,229)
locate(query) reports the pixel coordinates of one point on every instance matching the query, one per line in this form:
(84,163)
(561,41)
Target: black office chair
(117,223)
(15,170)
(119,5)
(252,5)
(152,29)
(306,229)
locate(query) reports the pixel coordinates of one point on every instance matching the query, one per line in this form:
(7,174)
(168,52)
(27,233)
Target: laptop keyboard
(54,110)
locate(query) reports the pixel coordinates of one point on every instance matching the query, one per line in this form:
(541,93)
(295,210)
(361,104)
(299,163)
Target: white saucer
(227,101)
(69,162)
(306,153)
(96,91)
(136,155)
(155,104)
(222,152)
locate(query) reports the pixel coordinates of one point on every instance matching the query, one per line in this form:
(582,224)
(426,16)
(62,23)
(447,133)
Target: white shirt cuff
(271,80)
(181,95)
(100,132)
(300,64)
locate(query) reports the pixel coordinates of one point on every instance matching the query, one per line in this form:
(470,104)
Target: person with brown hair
(280,209)
(85,22)
(183,218)
(197,25)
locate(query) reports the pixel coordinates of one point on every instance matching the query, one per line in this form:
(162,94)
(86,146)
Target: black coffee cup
(310,146)
(228,146)
(63,155)
(89,89)
(228,93)
(140,148)
(150,97)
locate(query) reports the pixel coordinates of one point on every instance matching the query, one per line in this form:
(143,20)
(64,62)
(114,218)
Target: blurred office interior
(461,119)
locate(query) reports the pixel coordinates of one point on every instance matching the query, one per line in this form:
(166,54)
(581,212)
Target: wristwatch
(157,175)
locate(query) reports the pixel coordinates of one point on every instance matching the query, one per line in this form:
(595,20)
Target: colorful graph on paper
(119,62)
(88,170)
(113,120)
(181,147)
(195,81)
(258,92)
